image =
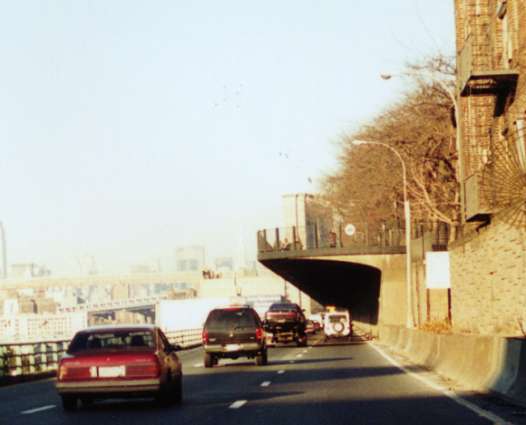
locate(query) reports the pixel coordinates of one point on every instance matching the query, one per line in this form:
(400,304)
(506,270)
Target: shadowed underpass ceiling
(343,284)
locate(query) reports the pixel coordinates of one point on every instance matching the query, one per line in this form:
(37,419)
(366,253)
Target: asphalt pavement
(340,383)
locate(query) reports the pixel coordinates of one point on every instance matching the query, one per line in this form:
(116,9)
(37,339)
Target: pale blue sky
(130,128)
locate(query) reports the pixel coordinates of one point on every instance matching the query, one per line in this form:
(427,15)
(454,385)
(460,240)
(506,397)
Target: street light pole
(407,217)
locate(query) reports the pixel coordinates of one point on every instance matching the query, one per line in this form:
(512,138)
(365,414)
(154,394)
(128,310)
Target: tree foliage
(367,185)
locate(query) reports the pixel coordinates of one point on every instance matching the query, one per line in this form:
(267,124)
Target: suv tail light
(259,334)
(205,336)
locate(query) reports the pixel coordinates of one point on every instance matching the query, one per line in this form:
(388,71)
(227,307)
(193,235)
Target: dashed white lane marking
(437,387)
(38,409)
(299,355)
(304,351)
(237,404)
(198,365)
(265,383)
(281,372)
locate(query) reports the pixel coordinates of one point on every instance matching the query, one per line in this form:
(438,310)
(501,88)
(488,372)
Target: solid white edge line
(437,387)
(38,409)
(265,383)
(237,404)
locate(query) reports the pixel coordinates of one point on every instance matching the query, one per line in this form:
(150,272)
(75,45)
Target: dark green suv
(233,332)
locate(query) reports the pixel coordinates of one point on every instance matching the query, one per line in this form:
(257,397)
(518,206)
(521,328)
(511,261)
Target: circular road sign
(350,229)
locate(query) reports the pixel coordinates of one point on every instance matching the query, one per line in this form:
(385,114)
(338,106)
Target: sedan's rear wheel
(178,390)
(86,402)
(69,402)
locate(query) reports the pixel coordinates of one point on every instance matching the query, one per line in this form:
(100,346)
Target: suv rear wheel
(262,358)
(301,341)
(209,360)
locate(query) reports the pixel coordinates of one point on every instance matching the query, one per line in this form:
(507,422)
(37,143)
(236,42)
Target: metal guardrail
(186,338)
(30,358)
(26,359)
(113,304)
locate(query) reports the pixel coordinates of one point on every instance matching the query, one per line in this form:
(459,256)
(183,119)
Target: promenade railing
(314,237)
(26,359)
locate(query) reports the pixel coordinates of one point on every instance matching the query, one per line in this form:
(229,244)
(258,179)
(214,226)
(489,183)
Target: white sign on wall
(437,270)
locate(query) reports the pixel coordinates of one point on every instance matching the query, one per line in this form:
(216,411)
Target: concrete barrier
(480,363)
(364,328)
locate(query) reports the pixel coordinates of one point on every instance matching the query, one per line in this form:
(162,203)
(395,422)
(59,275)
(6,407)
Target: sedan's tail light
(146,369)
(205,336)
(68,371)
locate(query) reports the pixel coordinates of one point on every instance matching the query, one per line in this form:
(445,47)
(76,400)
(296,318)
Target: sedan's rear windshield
(282,307)
(231,319)
(112,340)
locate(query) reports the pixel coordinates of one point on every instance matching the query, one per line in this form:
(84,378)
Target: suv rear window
(335,318)
(112,340)
(229,319)
(282,307)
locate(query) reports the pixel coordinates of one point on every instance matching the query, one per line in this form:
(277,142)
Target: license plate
(232,347)
(111,372)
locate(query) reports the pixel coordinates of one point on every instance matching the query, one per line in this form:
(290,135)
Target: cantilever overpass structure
(365,275)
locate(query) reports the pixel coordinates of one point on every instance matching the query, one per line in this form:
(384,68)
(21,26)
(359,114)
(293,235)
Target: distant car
(285,322)
(234,332)
(337,324)
(118,362)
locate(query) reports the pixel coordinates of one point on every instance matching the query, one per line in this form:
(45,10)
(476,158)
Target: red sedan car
(119,361)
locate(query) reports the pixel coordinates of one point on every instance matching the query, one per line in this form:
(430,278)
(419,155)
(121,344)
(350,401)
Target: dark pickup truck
(285,322)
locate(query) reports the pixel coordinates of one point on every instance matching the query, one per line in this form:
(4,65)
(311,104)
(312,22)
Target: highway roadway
(353,383)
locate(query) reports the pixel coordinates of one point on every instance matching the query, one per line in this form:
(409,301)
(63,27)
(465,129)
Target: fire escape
(487,79)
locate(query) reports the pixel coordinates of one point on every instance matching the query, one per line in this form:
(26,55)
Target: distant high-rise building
(4,251)
(28,270)
(190,258)
(224,264)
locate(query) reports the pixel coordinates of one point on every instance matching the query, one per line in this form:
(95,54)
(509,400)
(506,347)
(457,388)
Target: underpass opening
(343,284)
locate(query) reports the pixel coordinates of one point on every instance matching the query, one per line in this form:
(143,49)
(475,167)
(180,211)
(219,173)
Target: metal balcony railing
(479,72)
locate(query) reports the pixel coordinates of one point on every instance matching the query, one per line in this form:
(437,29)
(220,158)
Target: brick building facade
(488,261)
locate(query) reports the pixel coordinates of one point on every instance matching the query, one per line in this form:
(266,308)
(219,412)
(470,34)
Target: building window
(507,39)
